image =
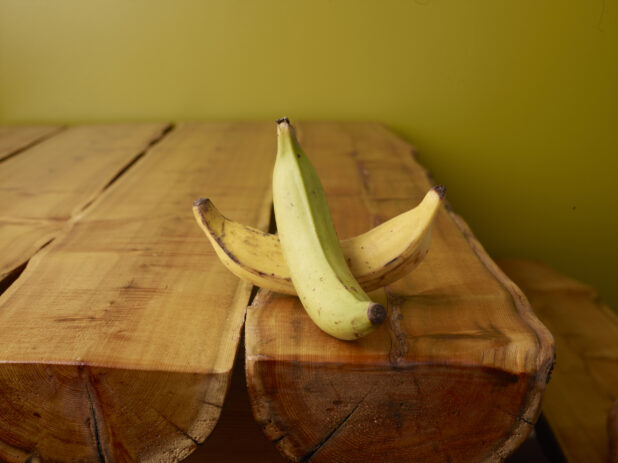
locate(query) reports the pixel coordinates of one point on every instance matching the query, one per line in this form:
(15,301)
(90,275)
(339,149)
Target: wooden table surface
(119,327)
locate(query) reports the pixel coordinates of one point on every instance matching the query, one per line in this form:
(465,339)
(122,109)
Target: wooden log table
(455,374)
(119,326)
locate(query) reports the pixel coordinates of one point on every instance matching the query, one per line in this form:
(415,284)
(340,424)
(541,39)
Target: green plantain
(325,285)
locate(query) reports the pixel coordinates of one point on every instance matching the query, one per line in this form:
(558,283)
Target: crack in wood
(11,276)
(308,456)
(94,422)
(156,140)
(320,444)
(516,416)
(33,143)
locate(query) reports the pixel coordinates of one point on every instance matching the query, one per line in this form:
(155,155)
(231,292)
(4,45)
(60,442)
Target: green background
(512,104)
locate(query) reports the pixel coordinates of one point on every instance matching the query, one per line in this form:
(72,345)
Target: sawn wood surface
(118,339)
(51,180)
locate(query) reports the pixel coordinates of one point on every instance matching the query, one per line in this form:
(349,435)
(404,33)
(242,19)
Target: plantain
(376,258)
(331,296)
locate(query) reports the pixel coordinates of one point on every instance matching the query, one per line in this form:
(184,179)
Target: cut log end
(404,409)
(104,414)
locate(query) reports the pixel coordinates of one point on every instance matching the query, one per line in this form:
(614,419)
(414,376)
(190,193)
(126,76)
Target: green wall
(512,104)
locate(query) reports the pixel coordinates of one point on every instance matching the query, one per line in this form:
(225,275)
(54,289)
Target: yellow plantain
(376,258)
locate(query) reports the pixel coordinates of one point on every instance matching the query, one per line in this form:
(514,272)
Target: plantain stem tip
(376,313)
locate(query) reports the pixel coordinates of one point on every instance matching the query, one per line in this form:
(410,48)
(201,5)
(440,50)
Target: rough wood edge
(546,344)
(546,357)
(546,354)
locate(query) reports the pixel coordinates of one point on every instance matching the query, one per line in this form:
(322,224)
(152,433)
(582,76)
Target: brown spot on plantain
(219,240)
(391,261)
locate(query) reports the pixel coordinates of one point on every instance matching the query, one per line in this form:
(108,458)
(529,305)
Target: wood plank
(47,184)
(584,383)
(455,374)
(15,138)
(117,341)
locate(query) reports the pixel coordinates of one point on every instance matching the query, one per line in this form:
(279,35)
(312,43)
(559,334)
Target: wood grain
(117,341)
(584,383)
(46,185)
(455,374)
(15,138)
